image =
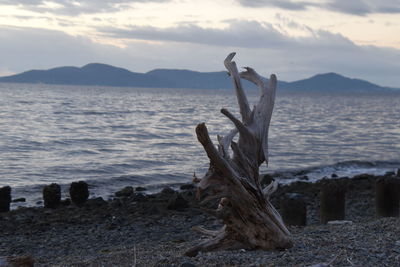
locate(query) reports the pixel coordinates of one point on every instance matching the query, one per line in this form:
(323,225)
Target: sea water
(115,137)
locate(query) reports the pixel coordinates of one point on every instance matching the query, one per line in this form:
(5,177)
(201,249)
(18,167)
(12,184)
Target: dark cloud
(284,4)
(72,7)
(354,7)
(364,7)
(388,9)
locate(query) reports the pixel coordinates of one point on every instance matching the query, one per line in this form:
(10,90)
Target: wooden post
(79,192)
(52,196)
(293,209)
(387,197)
(5,198)
(332,202)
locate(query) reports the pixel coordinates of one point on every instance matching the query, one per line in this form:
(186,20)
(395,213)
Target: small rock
(389,173)
(340,222)
(20,261)
(153,210)
(334,175)
(187,187)
(5,198)
(304,178)
(162,260)
(65,202)
(362,177)
(167,191)
(21,199)
(52,196)
(189,195)
(98,201)
(187,264)
(177,202)
(125,192)
(139,197)
(115,203)
(79,192)
(139,188)
(111,226)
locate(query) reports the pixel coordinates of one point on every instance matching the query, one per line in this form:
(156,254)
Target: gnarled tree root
(251,222)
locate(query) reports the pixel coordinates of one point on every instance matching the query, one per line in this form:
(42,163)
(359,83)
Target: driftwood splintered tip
(250,221)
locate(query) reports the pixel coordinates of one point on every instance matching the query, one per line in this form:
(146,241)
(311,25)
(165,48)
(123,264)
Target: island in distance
(96,74)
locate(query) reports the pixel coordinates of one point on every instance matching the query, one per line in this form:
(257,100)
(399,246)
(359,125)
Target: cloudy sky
(293,38)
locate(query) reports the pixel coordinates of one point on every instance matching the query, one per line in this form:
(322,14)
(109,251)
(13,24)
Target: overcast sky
(294,39)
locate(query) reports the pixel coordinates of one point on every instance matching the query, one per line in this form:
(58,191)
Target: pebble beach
(138,229)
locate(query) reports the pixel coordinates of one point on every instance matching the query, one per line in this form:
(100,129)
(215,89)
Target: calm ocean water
(113,137)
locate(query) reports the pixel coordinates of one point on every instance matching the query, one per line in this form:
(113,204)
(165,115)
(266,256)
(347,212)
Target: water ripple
(114,137)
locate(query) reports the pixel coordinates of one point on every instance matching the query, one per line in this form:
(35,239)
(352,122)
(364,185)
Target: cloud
(237,34)
(32,48)
(244,34)
(284,4)
(73,7)
(263,48)
(364,7)
(353,7)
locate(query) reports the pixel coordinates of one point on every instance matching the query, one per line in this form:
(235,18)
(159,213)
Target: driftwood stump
(251,222)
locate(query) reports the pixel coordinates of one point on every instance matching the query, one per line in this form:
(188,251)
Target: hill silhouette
(107,75)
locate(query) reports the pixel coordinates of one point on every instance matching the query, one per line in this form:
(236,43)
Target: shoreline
(107,188)
(155,230)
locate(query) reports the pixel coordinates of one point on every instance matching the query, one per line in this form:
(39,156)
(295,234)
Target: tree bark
(250,221)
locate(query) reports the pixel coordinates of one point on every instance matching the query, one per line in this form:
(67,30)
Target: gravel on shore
(155,230)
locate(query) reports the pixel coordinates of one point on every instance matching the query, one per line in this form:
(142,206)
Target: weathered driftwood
(251,222)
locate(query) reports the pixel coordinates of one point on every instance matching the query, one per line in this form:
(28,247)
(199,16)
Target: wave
(349,169)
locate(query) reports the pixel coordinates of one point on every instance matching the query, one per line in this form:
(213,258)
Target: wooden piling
(387,197)
(52,196)
(79,192)
(293,209)
(5,198)
(332,201)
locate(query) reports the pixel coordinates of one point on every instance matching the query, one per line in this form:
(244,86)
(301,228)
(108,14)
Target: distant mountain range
(96,74)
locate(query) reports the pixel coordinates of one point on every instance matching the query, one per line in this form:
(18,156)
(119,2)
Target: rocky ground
(155,230)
